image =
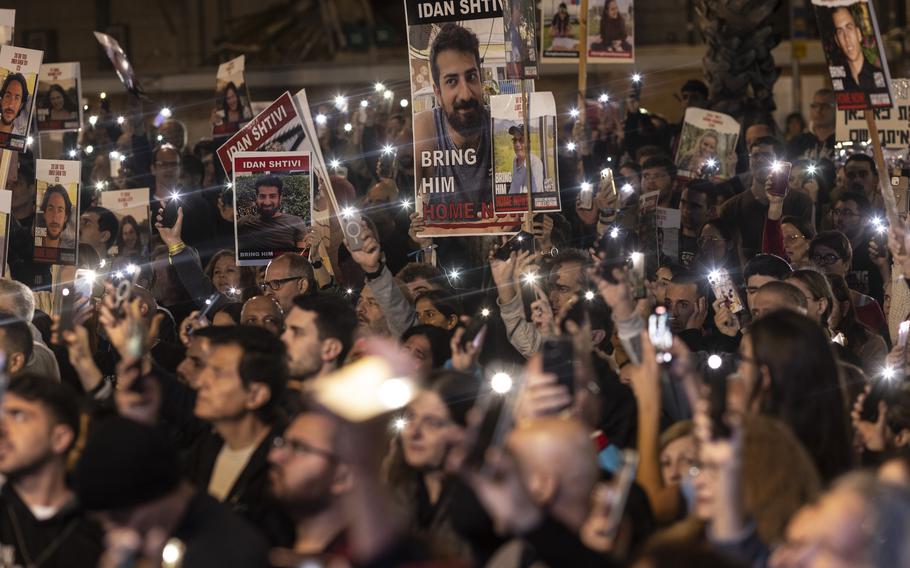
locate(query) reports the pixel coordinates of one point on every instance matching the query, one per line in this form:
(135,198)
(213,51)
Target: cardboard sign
(19,75)
(56,227)
(59,95)
(611,31)
(707,138)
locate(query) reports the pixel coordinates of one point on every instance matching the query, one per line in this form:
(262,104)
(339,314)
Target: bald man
(264,312)
(288,276)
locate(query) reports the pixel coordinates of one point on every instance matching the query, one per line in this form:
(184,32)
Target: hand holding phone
(780,179)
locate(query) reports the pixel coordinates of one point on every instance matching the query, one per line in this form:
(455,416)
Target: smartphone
(586,199)
(205,313)
(881,390)
(612,249)
(725,290)
(607,182)
(353,232)
(521,241)
(622,486)
(660,334)
(492,430)
(780,178)
(475,332)
(67,310)
(169,218)
(558,358)
(903,331)
(84,283)
(637,275)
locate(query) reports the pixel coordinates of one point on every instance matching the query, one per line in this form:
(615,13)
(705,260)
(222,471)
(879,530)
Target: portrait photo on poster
(513,162)
(19,75)
(611,30)
(450,89)
(519,18)
(707,145)
(57,105)
(232,99)
(272,194)
(853,49)
(56,228)
(559,29)
(131,207)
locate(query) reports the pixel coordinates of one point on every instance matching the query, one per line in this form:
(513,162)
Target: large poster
(120,61)
(59,94)
(707,145)
(450,91)
(57,214)
(512,162)
(7,26)
(277,128)
(232,99)
(19,72)
(520,20)
(611,31)
(856,57)
(893,122)
(272,194)
(131,207)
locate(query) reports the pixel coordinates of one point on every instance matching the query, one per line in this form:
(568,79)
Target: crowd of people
(558,410)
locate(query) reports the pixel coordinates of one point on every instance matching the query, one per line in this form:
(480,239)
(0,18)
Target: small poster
(120,61)
(19,71)
(232,99)
(450,96)
(610,31)
(855,54)
(7,26)
(57,214)
(6,204)
(893,122)
(513,166)
(272,194)
(278,128)
(59,93)
(707,145)
(131,207)
(520,21)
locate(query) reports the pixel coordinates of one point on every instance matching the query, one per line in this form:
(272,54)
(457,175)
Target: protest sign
(519,19)
(893,122)
(232,99)
(7,26)
(59,93)
(855,54)
(610,31)
(278,128)
(707,144)
(511,160)
(451,117)
(131,207)
(19,72)
(120,61)
(57,215)
(272,194)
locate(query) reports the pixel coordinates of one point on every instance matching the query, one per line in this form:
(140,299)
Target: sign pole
(884,177)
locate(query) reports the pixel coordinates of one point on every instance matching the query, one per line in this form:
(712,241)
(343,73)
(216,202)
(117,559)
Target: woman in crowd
(429,347)
(439,309)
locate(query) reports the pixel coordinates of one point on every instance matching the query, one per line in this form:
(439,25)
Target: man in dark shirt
(41,524)
(271,230)
(745,213)
(819,141)
(695,207)
(851,216)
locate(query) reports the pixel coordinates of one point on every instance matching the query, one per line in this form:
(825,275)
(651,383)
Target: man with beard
(271,230)
(308,478)
(453,139)
(42,524)
(56,208)
(13,98)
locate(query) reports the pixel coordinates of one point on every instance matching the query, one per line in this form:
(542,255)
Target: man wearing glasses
(288,276)
(851,216)
(657,174)
(819,141)
(745,213)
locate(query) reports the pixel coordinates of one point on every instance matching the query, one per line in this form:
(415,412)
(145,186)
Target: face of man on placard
(268,201)
(11,105)
(847,35)
(460,90)
(55,216)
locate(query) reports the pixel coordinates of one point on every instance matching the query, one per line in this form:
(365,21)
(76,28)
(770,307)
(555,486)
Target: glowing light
(454,274)
(72,153)
(485,312)
(399,424)
(89,149)
(636,77)
(404,103)
(118,275)
(29,140)
(406,203)
(84,107)
(99,185)
(229,185)
(520,238)
(714,362)
(574,112)
(379,87)
(394,393)
(92,120)
(501,383)
(811,169)
(90,275)
(132,269)
(388,94)
(348,127)
(171,554)
(589,295)
(233,291)
(585,186)
(166,112)
(348,212)
(711,163)
(888,373)
(114,155)
(335,163)
(776,166)
(570,146)
(341,102)
(713,275)
(65,291)
(604,98)
(175,195)
(529,277)
(102,96)
(120,120)
(387,149)
(614,233)
(364,103)
(636,257)
(102,263)
(627,188)
(320,119)
(160,138)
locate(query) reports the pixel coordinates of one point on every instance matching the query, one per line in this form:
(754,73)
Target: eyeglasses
(274,285)
(653,177)
(843,213)
(825,259)
(710,240)
(856,174)
(301,448)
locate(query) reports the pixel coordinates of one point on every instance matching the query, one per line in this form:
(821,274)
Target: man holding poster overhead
(453,139)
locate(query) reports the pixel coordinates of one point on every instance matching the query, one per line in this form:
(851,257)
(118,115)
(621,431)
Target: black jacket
(68,539)
(216,538)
